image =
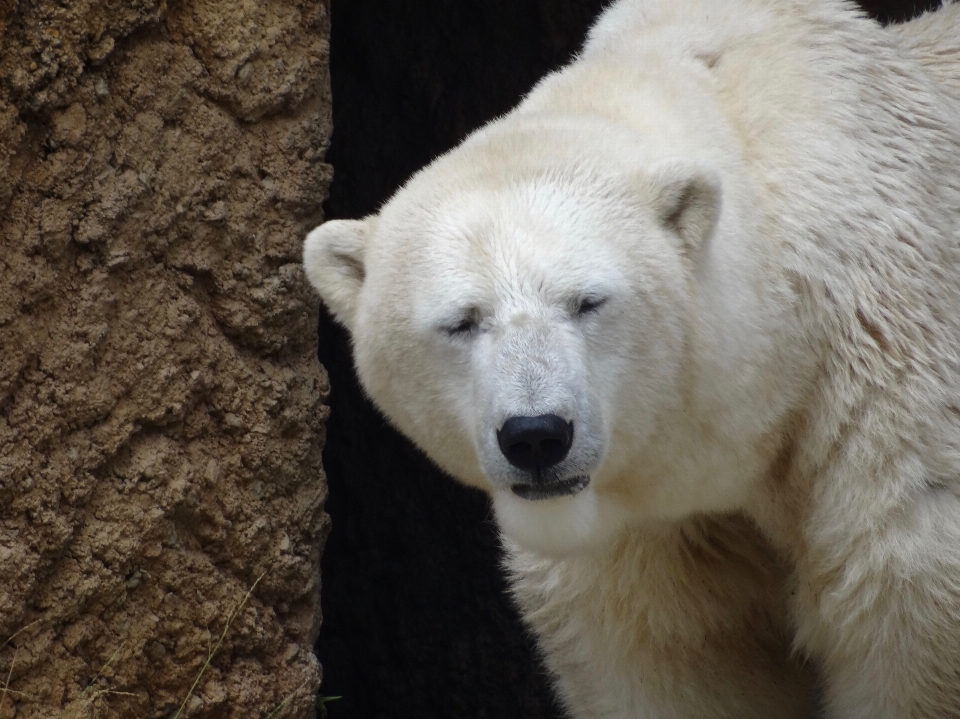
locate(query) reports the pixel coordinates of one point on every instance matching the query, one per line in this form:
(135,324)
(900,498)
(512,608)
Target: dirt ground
(161,406)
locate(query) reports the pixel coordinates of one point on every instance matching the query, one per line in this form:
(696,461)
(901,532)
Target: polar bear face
(527,322)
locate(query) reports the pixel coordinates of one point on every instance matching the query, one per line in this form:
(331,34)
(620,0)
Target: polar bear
(690,314)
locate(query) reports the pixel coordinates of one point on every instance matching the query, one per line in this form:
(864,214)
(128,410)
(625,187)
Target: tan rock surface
(161,406)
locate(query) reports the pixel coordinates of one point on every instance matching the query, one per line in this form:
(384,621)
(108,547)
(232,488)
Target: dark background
(416,618)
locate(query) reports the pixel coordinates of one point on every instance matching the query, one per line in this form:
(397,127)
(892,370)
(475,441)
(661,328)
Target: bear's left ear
(687,200)
(334,258)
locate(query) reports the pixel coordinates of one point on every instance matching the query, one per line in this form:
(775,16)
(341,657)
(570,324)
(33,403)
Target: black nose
(535,443)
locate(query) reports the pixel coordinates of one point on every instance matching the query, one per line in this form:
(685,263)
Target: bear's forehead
(483,223)
(535,223)
(517,247)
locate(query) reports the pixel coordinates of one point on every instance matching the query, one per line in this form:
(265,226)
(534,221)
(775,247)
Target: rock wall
(161,405)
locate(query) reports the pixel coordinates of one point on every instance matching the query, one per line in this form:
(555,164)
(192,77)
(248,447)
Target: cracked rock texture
(161,406)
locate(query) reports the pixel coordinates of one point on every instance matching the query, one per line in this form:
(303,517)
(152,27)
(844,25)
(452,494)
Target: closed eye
(465,325)
(589,305)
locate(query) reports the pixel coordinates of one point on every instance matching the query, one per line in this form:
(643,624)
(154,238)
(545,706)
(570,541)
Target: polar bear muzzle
(534,444)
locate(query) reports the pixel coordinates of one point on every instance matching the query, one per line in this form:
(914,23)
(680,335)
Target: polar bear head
(524,309)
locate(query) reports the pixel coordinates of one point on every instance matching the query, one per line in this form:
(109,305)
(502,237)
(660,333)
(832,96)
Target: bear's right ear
(333,257)
(687,200)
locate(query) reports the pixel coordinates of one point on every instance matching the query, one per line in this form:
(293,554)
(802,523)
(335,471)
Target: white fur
(767,197)
(934,39)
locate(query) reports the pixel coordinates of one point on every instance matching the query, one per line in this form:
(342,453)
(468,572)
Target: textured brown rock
(161,406)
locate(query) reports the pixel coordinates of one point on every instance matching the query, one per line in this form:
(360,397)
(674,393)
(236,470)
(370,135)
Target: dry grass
(90,696)
(212,653)
(6,685)
(87,705)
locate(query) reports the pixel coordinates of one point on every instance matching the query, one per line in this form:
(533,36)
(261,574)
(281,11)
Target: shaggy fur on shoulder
(934,39)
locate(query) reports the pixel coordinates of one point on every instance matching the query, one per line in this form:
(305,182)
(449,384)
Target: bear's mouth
(567,487)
